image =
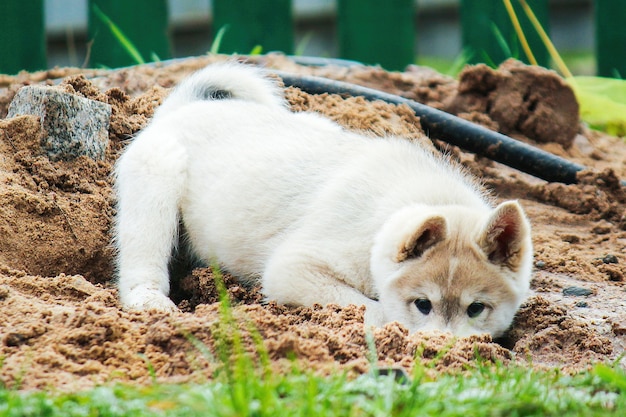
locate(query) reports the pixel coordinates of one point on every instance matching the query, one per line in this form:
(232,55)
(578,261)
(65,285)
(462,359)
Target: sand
(61,326)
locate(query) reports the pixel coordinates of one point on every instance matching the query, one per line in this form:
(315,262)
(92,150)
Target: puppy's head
(455,269)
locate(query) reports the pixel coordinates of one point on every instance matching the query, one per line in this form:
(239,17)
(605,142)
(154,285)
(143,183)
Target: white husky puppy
(318,214)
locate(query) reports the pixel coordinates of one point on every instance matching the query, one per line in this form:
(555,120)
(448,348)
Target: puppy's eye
(423,305)
(474,309)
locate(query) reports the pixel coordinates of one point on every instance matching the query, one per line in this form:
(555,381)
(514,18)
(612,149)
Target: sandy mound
(61,325)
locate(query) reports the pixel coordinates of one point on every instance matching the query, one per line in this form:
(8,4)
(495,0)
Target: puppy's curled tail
(225,81)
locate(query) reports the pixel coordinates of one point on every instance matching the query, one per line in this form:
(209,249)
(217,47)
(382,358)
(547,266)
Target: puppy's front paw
(142,298)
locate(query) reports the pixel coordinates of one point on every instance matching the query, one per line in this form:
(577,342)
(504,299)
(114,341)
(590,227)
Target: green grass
(246,385)
(489,391)
(126,44)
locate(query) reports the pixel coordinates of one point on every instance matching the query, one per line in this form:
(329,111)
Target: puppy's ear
(504,235)
(427,234)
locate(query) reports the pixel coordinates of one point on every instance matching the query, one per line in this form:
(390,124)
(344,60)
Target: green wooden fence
(611,37)
(377,32)
(251,23)
(371,31)
(22,36)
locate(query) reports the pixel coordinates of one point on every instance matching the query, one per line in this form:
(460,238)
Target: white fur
(316,213)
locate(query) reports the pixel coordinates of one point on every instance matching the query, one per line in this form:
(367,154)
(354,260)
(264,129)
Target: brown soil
(61,325)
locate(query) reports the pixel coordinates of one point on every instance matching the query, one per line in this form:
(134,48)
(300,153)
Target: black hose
(455,131)
(314,61)
(441,125)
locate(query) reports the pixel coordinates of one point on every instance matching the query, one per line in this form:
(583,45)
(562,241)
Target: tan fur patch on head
(461,274)
(472,271)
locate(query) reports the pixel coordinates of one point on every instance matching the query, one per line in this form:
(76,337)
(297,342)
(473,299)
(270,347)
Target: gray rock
(610,259)
(577,291)
(73,125)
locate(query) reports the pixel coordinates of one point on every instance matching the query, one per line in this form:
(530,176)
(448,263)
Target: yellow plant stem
(520,32)
(545,39)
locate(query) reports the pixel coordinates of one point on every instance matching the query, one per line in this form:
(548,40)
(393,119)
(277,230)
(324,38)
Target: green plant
(486,391)
(245,384)
(217,42)
(509,47)
(304,42)
(126,43)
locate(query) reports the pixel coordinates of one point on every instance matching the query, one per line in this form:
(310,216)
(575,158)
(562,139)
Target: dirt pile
(61,325)
(520,99)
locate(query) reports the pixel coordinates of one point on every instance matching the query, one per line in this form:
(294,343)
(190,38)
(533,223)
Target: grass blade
(545,39)
(501,41)
(217,42)
(128,46)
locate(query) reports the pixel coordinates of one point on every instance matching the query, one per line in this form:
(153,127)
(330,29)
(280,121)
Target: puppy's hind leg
(150,179)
